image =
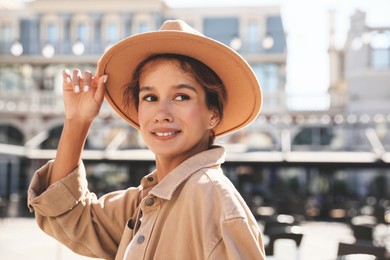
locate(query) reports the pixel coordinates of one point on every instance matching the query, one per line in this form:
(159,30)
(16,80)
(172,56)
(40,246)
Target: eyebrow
(180,86)
(145,88)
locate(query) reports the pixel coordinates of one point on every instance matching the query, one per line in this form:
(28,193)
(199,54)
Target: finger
(66,79)
(86,80)
(94,81)
(101,88)
(76,80)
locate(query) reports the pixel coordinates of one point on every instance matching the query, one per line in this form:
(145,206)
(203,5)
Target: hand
(83,95)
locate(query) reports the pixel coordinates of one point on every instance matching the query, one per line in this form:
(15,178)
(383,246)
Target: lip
(165,133)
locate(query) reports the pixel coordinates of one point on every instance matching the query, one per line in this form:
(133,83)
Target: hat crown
(244,97)
(178,25)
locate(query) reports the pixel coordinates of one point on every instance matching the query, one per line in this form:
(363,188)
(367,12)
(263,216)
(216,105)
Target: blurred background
(314,167)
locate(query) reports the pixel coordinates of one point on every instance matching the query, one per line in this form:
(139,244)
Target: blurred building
(284,150)
(360,74)
(361,68)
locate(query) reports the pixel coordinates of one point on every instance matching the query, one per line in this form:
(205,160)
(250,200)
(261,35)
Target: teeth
(165,134)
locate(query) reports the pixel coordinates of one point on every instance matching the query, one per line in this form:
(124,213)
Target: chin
(164,151)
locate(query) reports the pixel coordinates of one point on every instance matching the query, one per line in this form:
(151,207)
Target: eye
(149,98)
(182,97)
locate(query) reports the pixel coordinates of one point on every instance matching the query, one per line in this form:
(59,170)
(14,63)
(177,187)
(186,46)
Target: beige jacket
(195,212)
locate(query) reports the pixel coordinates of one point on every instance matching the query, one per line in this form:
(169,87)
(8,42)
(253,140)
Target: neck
(166,164)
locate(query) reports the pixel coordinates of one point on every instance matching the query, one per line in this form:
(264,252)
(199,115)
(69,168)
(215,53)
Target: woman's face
(174,119)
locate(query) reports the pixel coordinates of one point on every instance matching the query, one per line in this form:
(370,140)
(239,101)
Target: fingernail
(105,77)
(68,80)
(86,88)
(77,89)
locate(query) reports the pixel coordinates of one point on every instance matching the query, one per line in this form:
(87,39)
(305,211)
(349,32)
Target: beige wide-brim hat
(244,95)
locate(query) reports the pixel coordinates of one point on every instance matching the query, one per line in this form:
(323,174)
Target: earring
(212,123)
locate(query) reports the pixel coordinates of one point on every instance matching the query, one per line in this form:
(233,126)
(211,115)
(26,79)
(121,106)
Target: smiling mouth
(165,134)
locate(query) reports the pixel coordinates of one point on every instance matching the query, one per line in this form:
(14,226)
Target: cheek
(142,121)
(199,114)
(142,116)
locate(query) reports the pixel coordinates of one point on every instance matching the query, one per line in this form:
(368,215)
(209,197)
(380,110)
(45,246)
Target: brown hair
(212,84)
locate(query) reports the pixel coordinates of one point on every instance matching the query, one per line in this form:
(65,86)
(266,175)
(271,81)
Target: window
(380,50)
(82,32)
(82,29)
(268,75)
(9,41)
(11,135)
(10,79)
(314,137)
(82,35)
(51,28)
(380,58)
(142,23)
(112,29)
(52,33)
(222,29)
(253,37)
(112,32)
(6,33)
(143,27)
(52,141)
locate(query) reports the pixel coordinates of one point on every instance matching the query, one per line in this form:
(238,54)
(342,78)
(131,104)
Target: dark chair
(379,214)
(287,232)
(362,232)
(362,248)
(277,221)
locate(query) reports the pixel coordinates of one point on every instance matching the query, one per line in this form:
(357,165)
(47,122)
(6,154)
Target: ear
(214,119)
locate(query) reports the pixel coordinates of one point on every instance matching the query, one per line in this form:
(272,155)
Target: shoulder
(212,186)
(210,178)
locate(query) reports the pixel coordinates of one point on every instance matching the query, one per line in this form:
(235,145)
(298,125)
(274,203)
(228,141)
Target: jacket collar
(213,157)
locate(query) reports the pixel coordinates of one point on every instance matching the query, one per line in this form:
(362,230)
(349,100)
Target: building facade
(285,148)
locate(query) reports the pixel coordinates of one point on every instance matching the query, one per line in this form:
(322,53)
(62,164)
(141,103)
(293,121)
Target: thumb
(101,89)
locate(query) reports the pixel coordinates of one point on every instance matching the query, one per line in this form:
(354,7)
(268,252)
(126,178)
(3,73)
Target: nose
(163,113)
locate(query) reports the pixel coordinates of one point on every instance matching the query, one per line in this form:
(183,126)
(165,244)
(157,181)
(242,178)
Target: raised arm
(83,97)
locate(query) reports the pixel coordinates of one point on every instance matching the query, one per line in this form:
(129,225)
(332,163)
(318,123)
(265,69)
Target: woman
(180,89)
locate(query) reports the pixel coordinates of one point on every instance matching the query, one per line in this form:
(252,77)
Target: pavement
(21,239)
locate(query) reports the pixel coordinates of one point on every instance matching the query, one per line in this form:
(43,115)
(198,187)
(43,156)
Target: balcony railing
(49,103)
(43,102)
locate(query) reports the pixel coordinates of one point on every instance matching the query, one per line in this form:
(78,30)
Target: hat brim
(244,97)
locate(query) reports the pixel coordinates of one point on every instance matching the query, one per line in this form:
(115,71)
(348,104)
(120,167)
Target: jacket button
(140,239)
(149,202)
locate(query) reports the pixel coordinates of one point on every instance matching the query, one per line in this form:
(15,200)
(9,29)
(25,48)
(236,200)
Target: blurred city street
(318,152)
(21,239)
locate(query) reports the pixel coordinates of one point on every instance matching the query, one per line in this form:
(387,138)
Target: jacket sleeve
(239,241)
(242,240)
(73,215)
